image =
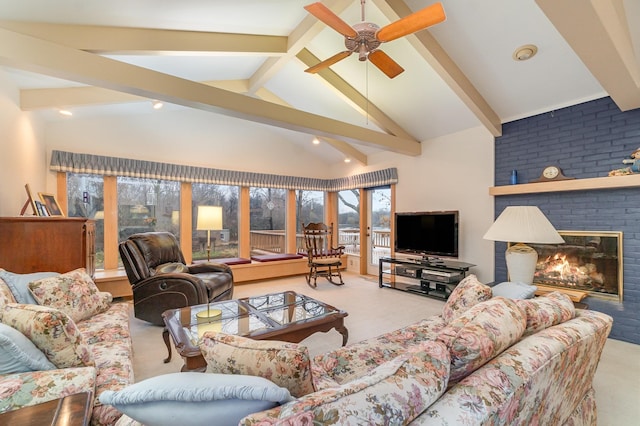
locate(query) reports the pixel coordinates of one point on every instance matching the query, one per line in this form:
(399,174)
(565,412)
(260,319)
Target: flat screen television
(427,233)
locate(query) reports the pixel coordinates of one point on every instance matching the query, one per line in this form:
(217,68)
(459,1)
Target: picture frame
(41,208)
(30,202)
(51,204)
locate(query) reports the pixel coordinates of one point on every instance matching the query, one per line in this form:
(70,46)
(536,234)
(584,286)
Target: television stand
(426,277)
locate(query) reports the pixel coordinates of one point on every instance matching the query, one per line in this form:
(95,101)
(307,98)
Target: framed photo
(51,204)
(29,203)
(41,208)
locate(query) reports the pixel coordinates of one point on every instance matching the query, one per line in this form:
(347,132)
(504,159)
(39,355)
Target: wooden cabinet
(58,244)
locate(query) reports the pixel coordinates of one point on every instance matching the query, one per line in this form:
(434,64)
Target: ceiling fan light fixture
(524,53)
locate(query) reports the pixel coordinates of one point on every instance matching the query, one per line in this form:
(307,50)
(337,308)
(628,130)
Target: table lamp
(522,224)
(209,217)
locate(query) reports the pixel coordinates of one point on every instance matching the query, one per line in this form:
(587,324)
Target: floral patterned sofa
(485,360)
(61,337)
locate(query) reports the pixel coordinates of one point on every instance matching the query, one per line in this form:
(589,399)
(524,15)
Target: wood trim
(61,192)
(244,238)
(607,182)
(290,226)
(364,230)
(186,222)
(110,194)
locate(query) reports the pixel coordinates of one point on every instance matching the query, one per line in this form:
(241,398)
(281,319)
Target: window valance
(62,161)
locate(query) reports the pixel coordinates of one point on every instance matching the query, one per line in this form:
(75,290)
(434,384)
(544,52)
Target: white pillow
(18,354)
(193,399)
(514,290)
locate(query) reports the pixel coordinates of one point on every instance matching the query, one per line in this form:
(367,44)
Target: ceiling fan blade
(385,63)
(328,62)
(324,14)
(410,24)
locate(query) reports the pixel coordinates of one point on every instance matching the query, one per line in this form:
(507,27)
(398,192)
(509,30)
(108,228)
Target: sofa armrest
(34,387)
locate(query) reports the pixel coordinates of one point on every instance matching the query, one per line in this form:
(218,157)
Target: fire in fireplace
(588,261)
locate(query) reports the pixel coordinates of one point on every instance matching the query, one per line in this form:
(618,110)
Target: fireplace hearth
(588,261)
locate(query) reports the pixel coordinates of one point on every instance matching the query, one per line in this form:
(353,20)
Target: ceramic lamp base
(521,263)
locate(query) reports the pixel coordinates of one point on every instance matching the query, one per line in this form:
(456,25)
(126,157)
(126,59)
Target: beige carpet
(373,311)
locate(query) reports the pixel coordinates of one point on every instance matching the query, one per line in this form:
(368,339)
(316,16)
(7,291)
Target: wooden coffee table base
(293,332)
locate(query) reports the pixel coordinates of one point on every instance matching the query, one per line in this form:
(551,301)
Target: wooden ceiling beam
(432,52)
(143,41)
(44,57)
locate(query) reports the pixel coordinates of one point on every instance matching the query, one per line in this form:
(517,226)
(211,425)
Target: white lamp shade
(523,224)
(209,218)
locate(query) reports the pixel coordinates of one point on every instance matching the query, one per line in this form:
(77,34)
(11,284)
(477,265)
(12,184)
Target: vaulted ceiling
(246,59)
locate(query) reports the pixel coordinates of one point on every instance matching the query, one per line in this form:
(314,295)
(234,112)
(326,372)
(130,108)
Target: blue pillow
(19,284)
(18,354)
(514,290)
(196,398)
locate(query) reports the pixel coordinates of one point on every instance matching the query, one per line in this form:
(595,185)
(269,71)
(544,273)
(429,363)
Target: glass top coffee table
(286,316)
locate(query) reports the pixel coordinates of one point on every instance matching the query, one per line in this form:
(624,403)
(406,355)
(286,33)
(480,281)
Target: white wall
(22,151)
(454,172)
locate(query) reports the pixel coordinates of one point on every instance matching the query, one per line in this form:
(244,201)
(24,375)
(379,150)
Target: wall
(585,140)
(23,155)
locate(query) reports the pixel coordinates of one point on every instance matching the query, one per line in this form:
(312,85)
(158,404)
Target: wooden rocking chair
(324,259)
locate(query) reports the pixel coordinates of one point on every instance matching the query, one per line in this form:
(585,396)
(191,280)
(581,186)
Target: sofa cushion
(285,364)
(5,293)
(18,354)
(514,290)
(203,399)
(468,292)
(481,333)
(52,331)
(546,311)
(35,387)
(395,392)
(19,284)
(74,293)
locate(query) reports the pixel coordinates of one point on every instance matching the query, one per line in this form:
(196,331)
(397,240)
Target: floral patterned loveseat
(71,338)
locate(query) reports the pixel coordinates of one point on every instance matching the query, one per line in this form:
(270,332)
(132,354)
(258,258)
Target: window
(85,195)
(349,220)
(267,220)
(224,241)
(146,205)
(309,207)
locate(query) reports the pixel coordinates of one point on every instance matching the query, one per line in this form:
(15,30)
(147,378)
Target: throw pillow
(468,292)
(5,295)
(514,290)
(285,364)
(200,398)
(18,354)
(52,331)
(395,392)
(19,284)
(481,333)
(74,293)
(546,311)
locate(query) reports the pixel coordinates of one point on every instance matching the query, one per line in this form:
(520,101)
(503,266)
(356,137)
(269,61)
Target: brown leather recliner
(161,280)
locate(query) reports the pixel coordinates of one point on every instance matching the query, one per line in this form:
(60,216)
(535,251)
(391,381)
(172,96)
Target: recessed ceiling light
(525,52)
(316,141)
(157,104)
(347,160)
(65,112)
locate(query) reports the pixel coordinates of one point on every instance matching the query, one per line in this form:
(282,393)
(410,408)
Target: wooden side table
(72,410)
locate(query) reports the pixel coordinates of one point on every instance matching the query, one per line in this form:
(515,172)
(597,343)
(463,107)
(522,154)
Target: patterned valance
(62,161)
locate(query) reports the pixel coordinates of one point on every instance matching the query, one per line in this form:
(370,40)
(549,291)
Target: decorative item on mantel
(634,160)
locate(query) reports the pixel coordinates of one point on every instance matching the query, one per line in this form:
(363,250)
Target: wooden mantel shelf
(607,182)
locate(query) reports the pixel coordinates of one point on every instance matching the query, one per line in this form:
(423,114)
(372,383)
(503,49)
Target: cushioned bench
(232,260)
(274,257)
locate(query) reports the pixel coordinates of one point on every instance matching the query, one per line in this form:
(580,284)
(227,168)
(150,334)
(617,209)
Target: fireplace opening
(587,261)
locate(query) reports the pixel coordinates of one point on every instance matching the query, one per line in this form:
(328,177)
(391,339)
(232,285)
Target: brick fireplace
(586,140)
(587,261)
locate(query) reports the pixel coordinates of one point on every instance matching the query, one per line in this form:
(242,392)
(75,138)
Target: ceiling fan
(365,37)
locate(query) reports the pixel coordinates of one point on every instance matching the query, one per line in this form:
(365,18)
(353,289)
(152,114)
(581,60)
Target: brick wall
(585,140)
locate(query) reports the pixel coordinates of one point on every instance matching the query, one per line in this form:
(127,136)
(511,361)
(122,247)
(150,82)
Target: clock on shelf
(551,174)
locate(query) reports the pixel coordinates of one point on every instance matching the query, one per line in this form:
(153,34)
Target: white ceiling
(481,85)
